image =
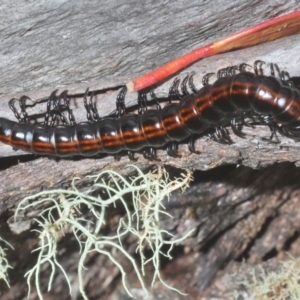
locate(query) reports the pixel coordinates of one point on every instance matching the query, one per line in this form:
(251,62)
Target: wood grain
(102,45)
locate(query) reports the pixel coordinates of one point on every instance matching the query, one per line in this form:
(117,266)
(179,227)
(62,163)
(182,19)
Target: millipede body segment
(229,97)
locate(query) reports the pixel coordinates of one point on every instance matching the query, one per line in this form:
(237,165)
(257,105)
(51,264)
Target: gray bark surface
(238,213)
(58,43)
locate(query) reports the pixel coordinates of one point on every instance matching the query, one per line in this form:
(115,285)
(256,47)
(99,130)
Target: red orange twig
(267,31)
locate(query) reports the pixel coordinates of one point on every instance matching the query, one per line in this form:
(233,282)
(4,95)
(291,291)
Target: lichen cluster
(64,214)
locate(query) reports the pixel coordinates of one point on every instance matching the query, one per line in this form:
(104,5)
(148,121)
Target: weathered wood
(236,213)
(58,43)
(75,45)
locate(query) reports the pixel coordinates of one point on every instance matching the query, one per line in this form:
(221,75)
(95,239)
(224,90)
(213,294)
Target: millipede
(236,93)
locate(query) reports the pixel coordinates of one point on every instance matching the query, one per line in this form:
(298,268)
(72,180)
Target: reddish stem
(267,31)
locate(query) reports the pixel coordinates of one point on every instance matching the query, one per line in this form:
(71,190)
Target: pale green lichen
(282,284)
(147,193)
(4,264)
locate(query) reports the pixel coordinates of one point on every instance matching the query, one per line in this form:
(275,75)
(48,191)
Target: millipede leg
(131,156)
(222,72)
(142,99)
(172,149)
(291,84)
(86,106)
(246,114)
(225,135)
(188,80)
(11,105)
(258,67)
(91,109)
(212,136)
(94,108)
(184,86)
(206,78)
(54,109)
(173,91)
(48,112)
(243,66)
(272,69)
(117,156)
(142,102)
(236,127)
(231,70)
(23,106)
(120,102)
(23,115)
(150,154)
(64,95)
(286,79)
(221,135)
(285,76)
(191,146)
(273,135)
(191,84)
(57,109)
(154,98)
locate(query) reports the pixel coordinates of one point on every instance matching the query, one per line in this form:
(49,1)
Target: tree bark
(237,212)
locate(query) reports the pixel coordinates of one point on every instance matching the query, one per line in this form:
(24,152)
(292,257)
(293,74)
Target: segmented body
(226,98)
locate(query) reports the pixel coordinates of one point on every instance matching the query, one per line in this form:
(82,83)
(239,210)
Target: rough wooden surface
(239,213)
(57,43)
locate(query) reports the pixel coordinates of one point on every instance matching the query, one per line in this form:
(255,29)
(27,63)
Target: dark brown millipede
(275,100)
